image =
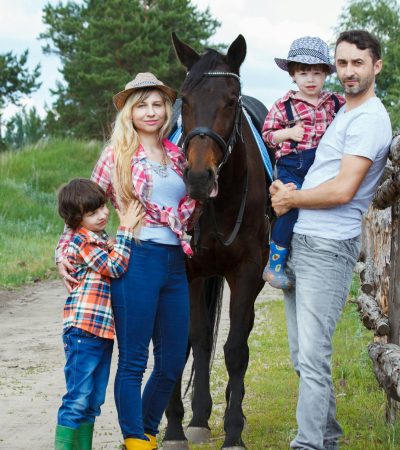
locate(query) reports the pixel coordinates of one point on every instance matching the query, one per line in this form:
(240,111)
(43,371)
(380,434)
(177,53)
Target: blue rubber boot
(275,271)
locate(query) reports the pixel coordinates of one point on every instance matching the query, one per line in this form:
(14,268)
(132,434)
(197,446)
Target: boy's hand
(64,269)
(132,216)
(110,244)
(297,132)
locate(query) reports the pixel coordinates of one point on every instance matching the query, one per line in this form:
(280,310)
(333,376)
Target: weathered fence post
(386,356)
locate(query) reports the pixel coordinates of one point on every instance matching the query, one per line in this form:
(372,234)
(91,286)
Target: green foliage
(382,18)
(15,78)
(29,223)
(103,43)
(24,128)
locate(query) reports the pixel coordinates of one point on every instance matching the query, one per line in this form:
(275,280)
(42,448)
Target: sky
(269,27)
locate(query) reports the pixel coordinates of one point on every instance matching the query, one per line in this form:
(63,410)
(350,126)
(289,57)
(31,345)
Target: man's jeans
(323,271)
(150,302)
(87,370)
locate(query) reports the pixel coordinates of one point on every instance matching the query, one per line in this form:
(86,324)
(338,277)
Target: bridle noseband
(225,146)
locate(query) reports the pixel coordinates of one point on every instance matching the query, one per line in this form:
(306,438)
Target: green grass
(271,387)
(29,223)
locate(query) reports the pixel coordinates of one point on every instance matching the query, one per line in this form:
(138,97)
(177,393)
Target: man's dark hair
(77,198)
(294,66)
(363,40)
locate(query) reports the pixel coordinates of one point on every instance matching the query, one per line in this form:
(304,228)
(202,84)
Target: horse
(226,173)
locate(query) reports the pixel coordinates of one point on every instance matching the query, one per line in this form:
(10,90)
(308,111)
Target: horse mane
(208,61)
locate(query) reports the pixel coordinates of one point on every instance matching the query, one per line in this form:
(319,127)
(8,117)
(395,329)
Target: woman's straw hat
(143,80)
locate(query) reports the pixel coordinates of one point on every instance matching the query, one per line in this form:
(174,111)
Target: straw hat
(143,80)
(307,50)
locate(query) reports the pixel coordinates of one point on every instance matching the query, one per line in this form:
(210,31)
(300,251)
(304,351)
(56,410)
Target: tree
(102,44)
(382,18)
(15,80)
(25,127)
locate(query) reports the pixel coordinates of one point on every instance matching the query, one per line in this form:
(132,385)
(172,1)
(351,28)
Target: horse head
(211,110)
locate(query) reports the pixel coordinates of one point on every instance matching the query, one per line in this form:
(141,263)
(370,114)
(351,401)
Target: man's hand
(281,196)
(64,269)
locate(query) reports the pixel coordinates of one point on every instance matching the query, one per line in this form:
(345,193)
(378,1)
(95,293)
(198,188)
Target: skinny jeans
(150,302)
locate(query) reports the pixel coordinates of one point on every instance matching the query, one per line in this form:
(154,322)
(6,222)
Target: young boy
(88,328)
(293,128)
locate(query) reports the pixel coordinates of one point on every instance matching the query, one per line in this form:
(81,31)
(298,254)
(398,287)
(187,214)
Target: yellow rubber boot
(153,441)
(137,444)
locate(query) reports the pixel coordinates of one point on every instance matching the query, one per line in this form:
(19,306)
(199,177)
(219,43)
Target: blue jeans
(150,302)
(323,272)
(291,168)
(87,370)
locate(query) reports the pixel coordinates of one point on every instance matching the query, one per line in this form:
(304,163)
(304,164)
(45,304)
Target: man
(337,189)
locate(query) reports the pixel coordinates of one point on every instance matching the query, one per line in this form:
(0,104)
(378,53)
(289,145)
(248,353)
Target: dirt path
(31,369)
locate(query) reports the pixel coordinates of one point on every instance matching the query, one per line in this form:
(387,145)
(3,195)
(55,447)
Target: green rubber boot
(84,437)
(65,438)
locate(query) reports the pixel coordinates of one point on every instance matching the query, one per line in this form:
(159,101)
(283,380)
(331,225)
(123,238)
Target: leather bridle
(225,146)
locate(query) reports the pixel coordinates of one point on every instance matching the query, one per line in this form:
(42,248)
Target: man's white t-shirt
(363,131)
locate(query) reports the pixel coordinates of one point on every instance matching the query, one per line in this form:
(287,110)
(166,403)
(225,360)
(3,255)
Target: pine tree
(102,44)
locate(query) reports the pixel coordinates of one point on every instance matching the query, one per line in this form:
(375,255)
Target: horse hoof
(175,445)
(198,435)
(234,448)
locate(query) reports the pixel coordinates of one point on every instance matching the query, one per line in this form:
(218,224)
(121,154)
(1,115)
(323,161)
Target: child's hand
(110,244)
(132,216)
(297,132)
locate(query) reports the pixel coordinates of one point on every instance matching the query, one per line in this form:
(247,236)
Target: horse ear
(236,53)
(186,55)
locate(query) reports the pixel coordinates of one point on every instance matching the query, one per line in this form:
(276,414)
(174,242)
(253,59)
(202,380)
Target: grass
(29,223)
(271,387)
(29,230)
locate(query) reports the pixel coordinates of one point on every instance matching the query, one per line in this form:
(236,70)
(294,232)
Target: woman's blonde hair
(125,142)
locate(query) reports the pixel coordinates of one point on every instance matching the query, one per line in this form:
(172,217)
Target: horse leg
(174,437)
(201,341)
(245,284)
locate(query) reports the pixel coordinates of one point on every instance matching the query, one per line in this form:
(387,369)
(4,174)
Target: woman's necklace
(162,168)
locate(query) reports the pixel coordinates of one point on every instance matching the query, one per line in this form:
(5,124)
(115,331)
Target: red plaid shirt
(88,305)
(315,118)
(188,209)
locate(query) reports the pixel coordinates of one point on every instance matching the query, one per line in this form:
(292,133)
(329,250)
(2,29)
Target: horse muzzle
(201,185)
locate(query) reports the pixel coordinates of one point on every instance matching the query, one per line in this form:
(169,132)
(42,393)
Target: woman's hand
(132,215)
(64,269)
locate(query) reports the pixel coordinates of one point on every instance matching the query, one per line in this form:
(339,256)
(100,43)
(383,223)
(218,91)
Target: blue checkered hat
(307,50)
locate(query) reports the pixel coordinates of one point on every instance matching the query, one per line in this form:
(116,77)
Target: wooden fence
(379,300)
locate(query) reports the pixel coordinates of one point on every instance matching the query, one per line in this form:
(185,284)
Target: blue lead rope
(177,135)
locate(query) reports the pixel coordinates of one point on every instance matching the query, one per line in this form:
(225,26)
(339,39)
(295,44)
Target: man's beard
(360,88)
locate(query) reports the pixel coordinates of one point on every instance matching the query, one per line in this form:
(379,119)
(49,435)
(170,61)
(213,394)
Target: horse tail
(213,293)
(214,290)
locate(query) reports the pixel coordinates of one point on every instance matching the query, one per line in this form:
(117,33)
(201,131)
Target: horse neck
(232,175)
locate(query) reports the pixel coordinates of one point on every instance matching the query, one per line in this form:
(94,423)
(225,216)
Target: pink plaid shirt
(143,184)
(315,118)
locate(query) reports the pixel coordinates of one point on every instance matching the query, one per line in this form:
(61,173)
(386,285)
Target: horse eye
(230,103)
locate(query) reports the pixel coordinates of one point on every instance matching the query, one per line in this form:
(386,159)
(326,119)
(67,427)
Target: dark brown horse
(226,172)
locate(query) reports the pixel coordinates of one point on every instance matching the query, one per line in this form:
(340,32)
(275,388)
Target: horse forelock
(210,60)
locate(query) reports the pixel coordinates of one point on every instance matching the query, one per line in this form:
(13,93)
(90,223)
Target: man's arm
(338,191)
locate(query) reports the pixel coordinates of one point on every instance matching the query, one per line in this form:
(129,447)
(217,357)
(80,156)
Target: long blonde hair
(125,142)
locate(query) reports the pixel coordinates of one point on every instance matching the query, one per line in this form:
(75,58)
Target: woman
(150,302)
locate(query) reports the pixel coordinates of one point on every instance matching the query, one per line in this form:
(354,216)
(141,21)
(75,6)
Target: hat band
(144,84)
(308,52)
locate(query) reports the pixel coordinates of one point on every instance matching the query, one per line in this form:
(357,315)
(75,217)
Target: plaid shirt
(143,184)
(315,118)
(88,305)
